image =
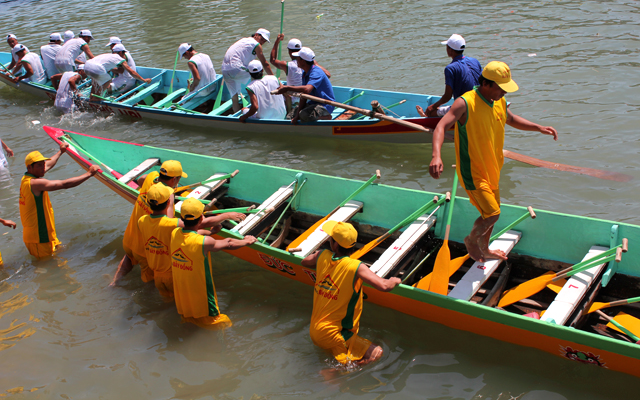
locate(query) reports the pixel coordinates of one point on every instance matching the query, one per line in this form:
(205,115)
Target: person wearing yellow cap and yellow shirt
(156,230)
(169,175)
(36,213)
(337,297)
(10,224)
(479,117)
(194,291)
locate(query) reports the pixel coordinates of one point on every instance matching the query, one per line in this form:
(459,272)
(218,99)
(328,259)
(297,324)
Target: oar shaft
(360,189)
(530,213)
(218,178)
(584,267)
(450,210)
(385,107)
(281,29)
(243,210)
(623,302)
(425,208)
(175,64)
(618,325)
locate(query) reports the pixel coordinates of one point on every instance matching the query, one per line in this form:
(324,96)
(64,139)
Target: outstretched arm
(518,122)
(40,185)
(263,60)
(274,55)
(311,260)
(458,112)
(134,73)
(212,245)
(54,159)
(219,218)
(432,110)
(384,285)
(8,222)
(87,51)
(254,106)
(6,148)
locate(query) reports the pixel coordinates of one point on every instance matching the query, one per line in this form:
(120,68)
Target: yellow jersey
(479,141)
(194,291)
(132,237)
(36,215)
(155,231)
(337,300)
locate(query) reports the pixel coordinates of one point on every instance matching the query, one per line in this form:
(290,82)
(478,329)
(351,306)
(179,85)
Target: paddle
(346,114)
(315,226)
(391,106)
(627,320)
(456,263)
(533,286)
(218,101)
(280,43)
(175,64)
(599,306)
(367,247)
(218,178)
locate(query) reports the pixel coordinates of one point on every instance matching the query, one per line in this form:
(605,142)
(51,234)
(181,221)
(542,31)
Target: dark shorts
(311,113)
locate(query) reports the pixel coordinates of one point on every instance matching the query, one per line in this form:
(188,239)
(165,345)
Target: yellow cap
(342,232)
(33,157)
(159,193)
(191,209)
(172,168)
(500,73)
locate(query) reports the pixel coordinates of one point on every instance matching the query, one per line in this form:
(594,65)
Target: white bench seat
(398,249)
(139,170)
(318,237)
(274,201)
(573,291)
(204,190)
(479,272)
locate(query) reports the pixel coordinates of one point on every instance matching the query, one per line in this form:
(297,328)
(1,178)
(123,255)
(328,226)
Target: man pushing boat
(479,117)
(67,57)
(98,69)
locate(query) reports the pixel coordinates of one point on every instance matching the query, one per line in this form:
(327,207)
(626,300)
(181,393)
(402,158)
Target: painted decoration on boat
(582,357)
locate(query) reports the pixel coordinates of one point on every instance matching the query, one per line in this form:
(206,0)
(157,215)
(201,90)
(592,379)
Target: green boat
(484,298)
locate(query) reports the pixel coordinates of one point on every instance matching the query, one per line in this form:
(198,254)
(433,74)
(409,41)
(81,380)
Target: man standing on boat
(66,87)
(236,60)
(67,57)
(194,291)
(49,52)
(201,68)
(122,82)
(337,297)
(98,69)
(34,70)
(479,117)
(460,76)
(169,175)
(314,82)
(263,104)
(36,213)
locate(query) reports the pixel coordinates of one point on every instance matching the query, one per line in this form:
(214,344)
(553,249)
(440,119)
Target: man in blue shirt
(315,83)
(460,76)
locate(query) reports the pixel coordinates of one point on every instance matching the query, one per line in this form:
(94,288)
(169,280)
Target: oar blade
(456,263)
(630,322)
(526,289)
(306,233)
(598,306)
(440,279)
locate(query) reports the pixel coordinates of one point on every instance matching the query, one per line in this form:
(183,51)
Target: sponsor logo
(181,261)
(327,288)
(311,275)
(273,262)
(155,246)
(581,356)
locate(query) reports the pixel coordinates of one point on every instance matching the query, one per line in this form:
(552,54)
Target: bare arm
(219,218)
(16,67)
(28,72)
(8,222)
(300,89)
(263,60)
(73,82)
(458,112)
(326,71)
(253,109)
(384,285)
(196,76)
(54,159)
(40,185)
(432,110)
(274,55)
(87,51)
(518,122)
(134,73)
(7,149)
(212,245)
(311,260)
(55,80)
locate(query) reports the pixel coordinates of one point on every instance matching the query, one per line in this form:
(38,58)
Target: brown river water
(65,334)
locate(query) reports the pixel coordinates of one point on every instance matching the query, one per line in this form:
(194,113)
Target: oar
(243,210)
(456,263)
(440,280)
(414,215)
(218,178)
(175,64)
(628,319)
(192,95)
(599,306)
(345,112)
(391,106)
(280,43)
(218,101)
(533,286)
(315,226)
(75,145)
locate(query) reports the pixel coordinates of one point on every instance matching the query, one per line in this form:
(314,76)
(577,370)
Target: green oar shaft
(175,64)
(217,178)
(425,208)
(360,189)
(243,210)
(514,223)
(618,325)
(280,43)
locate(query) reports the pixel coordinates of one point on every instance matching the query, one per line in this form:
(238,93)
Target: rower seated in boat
(201,68)
(12,41)
(263,104)
(34,70)
(122,82)
(98,69)
(337,297)
(49,52)
(66,87)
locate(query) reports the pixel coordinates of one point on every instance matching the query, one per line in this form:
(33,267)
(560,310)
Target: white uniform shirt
(269,106)
(14,55)
(125,80)
(240,54)
(69,52)
(38,69)
(103,63)
(64,97)
(206,71)
(48,53)
(294,74)
(3,159)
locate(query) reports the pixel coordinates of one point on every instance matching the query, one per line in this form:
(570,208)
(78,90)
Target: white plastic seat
(203,191)
(139,170)
(279,197)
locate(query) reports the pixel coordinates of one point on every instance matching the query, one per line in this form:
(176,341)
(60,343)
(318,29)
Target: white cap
(184,47)
(456,42)
(11,36)
(85,32)
(264,33)
(19,47)
(254,66)
(306,54)
(294,44)
(118,48)
(80,66)
(54,37)
(113,40)
(68,35)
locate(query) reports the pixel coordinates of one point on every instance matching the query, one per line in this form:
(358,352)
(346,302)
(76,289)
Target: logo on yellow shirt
(155,246)
(327,288)
(181,261)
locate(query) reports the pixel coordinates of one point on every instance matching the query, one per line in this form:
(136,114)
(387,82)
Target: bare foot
(495,255)
(421,111)
(373,354)
(473,249)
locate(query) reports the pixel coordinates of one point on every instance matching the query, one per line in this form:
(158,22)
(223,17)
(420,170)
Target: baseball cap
(184,47)
(456,42)
(34,157)
(11,36)
(254,66)
(172,168)
(113,40)
(85,32)
(264,33)
(159,193)
(118,48)
(54,37)
(342,232)
(68,35)
(191,209)
(294,44)
(17,48)
(500,73)
(80,66)
(306,54)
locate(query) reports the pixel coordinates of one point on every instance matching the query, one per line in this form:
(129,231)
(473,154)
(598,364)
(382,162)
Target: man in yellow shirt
(479,117)
(337,297)
(36,213)
(194,291)
(156,230)
(169,175)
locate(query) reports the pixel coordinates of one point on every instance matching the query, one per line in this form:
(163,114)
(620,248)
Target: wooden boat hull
(545,238)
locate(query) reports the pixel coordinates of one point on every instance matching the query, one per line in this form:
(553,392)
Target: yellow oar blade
(306,233)
(557,286)
(628,321)
(440,279)
(598,306)
(454,265)
(526,289)
(365,249)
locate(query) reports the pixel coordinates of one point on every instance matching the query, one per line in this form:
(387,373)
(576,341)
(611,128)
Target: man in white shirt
(98,69)
(67,57)
(124,81)
(32,64)
(66,87)
(49,52)
(201,68)
(263,104)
